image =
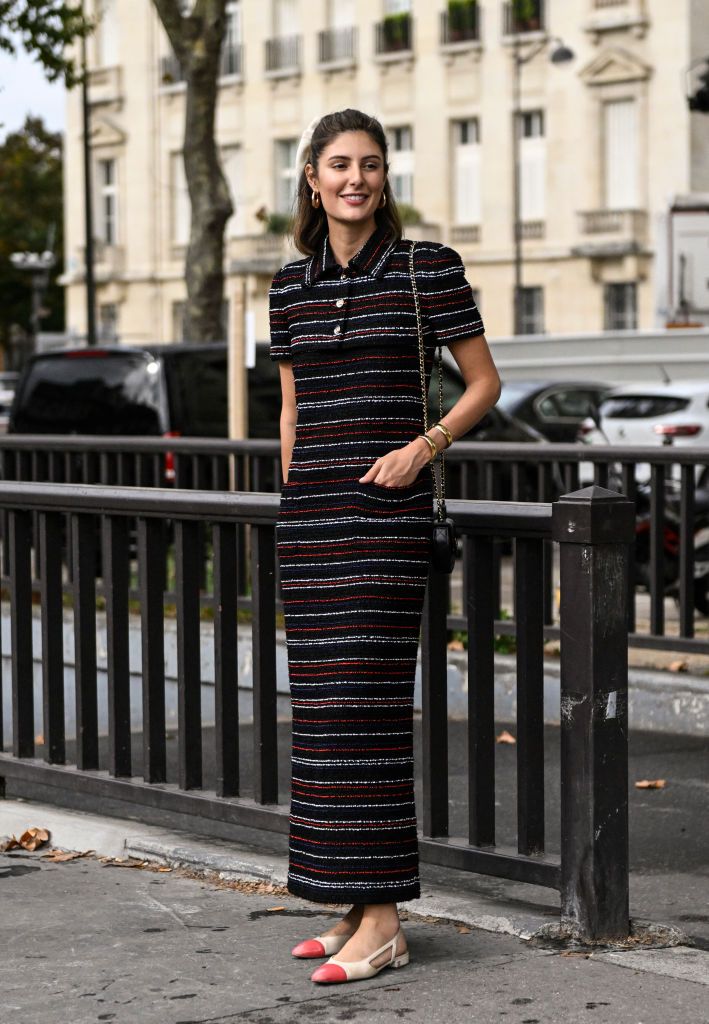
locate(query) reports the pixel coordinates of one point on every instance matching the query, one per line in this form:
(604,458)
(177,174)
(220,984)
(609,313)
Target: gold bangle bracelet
(445,431)
(432,445)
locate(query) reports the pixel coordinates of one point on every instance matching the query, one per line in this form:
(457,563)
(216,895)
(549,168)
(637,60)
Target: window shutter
(533,178)
(286,18)
(180,202)
(342,14)
(467,184)
(621,155)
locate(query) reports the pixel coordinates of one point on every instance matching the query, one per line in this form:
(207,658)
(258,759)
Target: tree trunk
(197,42)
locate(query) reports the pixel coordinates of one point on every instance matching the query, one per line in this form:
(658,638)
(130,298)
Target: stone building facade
(606,144)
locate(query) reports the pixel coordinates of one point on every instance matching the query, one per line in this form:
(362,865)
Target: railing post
(594,528)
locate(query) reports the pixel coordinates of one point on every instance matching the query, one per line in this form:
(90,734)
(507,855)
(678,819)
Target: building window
(179,201)
(620,144)
(531,310)
(466,172)
(230,59)
(285,174)
(394,32)
(532,155)
(233,164)
(338,43)
(620,303)
(108,322)
(401,171)
(107,34)
(107,226)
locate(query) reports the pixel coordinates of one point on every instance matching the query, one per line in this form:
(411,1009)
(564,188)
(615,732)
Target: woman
(354,527)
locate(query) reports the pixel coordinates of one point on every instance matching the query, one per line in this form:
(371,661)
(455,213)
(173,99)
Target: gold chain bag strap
(445,544)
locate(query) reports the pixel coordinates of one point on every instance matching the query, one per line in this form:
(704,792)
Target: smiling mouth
(355,198)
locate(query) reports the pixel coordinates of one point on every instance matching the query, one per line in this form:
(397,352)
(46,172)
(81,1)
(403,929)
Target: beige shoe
(321,945)
(338,970)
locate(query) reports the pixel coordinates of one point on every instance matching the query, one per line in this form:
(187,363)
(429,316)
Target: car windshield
(637,407)
(90,393)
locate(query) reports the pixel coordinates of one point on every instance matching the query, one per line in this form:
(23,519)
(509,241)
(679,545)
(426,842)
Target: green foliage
(409,214)
(278,223)
(44,28)
(396,30)
(30,206)
(461,15)
(525,11)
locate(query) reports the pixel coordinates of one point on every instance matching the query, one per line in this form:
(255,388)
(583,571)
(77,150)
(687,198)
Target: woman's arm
(482,389)
(289,414)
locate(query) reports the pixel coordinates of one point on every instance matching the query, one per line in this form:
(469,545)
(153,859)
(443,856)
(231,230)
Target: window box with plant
(393,34)
(522,16)
(460,22)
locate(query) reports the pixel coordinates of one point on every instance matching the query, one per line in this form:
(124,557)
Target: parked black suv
(176,390)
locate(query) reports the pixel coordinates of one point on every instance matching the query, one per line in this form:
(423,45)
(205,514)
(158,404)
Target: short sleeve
(278,320)
(447,302)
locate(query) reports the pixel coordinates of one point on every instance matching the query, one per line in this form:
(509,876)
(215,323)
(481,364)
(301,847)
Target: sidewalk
(88,941)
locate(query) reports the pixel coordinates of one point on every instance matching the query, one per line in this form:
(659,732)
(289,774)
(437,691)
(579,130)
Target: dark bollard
(594,527)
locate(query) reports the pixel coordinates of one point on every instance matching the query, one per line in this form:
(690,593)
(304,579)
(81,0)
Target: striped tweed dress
(354,557)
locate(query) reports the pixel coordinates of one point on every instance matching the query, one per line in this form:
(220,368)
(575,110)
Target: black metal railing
(337,46)
(394,34)
(517,23)
(669,591)
(592,529)
(460,24)
(282,54)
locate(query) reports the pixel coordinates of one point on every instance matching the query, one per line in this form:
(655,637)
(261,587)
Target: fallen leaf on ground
(60,856)
(123,862)
(164,869)
(506,737)
(650,784)
(30,840)
(274,909)
(39,738)
(463,929)
(678,666)
(456,645)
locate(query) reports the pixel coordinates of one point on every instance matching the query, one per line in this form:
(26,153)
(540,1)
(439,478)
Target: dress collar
(370,259)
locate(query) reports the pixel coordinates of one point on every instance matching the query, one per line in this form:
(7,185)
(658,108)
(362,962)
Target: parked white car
(674,414)
(652,414)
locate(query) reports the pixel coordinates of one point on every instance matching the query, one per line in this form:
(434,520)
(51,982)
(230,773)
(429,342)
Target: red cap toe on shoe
(311,947)
(329,972)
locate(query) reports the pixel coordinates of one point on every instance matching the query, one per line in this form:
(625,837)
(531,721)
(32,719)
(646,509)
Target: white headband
(302,154)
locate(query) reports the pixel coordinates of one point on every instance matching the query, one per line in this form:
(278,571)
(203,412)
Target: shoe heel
(400,961)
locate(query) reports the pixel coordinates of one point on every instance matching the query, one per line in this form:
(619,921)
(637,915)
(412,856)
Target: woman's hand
(400,467)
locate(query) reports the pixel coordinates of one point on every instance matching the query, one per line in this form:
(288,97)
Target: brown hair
(310,224)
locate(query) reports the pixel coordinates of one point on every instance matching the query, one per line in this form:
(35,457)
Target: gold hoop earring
(382,201)
(315,199)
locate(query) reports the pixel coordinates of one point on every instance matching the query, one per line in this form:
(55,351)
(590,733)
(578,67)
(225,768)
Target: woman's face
(350,177)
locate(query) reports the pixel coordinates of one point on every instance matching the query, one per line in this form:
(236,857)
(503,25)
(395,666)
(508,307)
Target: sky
(25,90)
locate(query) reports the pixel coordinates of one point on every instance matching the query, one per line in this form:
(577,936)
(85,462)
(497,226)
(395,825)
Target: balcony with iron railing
(283,55)
(616,15)
(231,62)
(465,234)
(394,37)
(337,47)
(612,232)
(460,24)
(522,19)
